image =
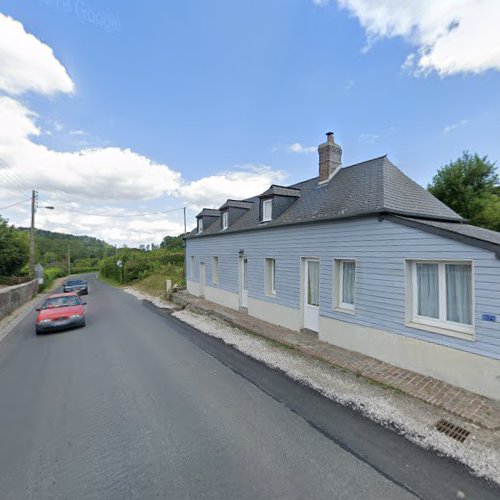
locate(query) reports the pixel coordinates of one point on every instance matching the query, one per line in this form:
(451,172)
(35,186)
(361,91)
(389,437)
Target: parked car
(60,311)
(76,285)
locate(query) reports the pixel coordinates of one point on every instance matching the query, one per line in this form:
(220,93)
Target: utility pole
(34,206)
(184,220)
(32,235)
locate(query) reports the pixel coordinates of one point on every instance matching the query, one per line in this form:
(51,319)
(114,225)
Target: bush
(49,275)
(13,249)
(14,280)
(109,269)
(139,265)
(84,270)
(85,263)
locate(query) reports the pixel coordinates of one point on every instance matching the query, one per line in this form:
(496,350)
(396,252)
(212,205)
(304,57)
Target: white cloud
(27,64)
(101,173)
(96,180)
(454,126)
(213,191)
(450,36)
(107,181)
(78,132)
(299,148)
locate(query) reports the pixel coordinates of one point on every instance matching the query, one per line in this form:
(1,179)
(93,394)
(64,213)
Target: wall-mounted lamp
(242,252)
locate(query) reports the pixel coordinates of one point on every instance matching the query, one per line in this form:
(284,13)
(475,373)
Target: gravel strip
(410,417)
(151,298)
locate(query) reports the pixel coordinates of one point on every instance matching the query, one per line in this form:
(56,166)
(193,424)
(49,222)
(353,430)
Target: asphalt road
(140,405)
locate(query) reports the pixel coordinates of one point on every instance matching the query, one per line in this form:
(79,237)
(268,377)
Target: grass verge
(155,284)
(109,281)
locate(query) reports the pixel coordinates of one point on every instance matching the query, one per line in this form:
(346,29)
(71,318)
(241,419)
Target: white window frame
(225,220)
(338,280)
(441,325)
(191,267)
(215,270)
(270,276)
(267,203)
(200,225)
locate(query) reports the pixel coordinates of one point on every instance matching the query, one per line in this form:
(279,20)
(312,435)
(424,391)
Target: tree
(13,249)
(173,243)
(469,185)
(50,258)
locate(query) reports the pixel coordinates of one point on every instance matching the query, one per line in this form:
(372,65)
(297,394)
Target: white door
(202,279)
(311,294)
(243,282)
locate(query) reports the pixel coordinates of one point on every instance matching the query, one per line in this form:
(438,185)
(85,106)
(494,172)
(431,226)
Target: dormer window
(267,210)
(225,220)
(200,225)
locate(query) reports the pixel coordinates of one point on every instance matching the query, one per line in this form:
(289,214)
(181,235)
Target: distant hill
(52,247)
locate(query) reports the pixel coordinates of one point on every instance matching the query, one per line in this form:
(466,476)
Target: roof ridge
(285,187)
(366,161)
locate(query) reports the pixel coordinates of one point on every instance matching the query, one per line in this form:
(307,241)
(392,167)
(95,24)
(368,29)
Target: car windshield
(68,301)
(75,282)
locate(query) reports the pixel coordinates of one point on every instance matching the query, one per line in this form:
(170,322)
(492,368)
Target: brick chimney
(330,158)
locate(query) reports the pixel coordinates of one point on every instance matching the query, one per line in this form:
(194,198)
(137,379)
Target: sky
(113,108)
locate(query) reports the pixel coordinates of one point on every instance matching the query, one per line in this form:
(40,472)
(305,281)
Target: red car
(60,311)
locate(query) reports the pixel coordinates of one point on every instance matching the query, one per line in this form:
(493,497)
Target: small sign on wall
(489,317)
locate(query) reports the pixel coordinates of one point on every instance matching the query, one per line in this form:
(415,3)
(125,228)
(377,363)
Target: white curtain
(459,293)
(428,290)
(348,282)
(313,283)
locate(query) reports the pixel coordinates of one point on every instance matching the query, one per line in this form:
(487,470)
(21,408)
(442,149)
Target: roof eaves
(270,225)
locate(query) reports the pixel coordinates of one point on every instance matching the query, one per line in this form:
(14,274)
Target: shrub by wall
(138,265)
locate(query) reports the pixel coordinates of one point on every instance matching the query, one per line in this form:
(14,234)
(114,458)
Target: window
(215,270)
(441,295)
(345,285)
(200,225)
(270,276)
(191,267)
(267,207)
(225,220)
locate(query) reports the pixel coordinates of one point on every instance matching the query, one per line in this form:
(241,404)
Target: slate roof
(281,191)
(210,212)
(375,186)
(236,204)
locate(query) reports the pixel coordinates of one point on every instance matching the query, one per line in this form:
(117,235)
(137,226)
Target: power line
(13,177)
(14,204)
(124,216)
(11,185)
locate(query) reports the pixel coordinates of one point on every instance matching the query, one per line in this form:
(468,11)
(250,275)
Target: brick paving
(478,409)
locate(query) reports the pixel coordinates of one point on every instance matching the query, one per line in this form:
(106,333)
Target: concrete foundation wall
(470,371)
(275,313)
(15,296)
(222,297)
